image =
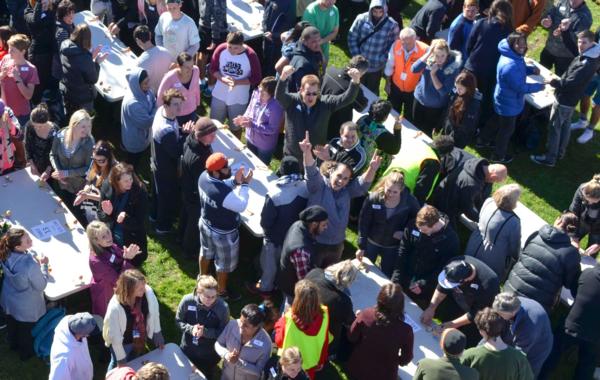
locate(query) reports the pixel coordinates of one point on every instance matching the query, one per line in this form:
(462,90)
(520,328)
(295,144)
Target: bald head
(495,173)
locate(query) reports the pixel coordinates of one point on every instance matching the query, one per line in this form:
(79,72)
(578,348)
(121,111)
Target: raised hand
(322,152)
(355,75)
(248,177)
(121,217)
(375,162)
(305,145)
(286,72)
(107,207)
(131,251)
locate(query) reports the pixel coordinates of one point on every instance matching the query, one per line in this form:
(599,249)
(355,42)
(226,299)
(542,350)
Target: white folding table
(171,356)
(245,16)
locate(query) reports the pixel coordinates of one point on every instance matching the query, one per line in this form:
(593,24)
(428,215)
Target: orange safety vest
(402,67)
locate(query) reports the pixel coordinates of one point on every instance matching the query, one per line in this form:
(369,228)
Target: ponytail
(569,222)
(11,239)
(592,188)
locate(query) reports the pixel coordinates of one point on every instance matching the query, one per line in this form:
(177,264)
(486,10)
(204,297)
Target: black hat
(454,273)
(289,165)
(313,214)
(453,342)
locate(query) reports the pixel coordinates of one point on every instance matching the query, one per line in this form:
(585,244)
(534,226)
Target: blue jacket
(23,288)
(137,113)
(425,92)
(459,33)
(482,46)
(511,85)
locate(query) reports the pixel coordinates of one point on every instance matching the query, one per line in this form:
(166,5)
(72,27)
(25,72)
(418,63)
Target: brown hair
(235,38)
(92,231)
(306,305)
(569,222)
(10,240)
(268,84)
(490,322)
(328,167)
(5,33)
(507,196)
(592,188)
(394,178)
(19,41)
(64,8)
(350,126)
(120,170)
(471,3)
(171,94)
(126,283)
(153,371)
(310,80)
(182,58)
(427,216)
(502,10)
(105,149)
(205,282)
(82,36)
(458,108)
(390,304)
(40,114)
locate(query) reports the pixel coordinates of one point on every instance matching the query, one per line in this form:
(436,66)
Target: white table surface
(179,366)
(112,83)
(245,16)
(544,98)
(68,252)
(262,180)
(364,291)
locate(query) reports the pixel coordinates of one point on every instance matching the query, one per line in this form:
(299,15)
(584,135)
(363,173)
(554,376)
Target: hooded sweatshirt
(425,92)
(23,287)
(137,114)
(69,358)
(80,73)
(511,81)
(571,86)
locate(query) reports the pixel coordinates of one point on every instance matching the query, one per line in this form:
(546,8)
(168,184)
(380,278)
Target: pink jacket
(106,268)
(192,95)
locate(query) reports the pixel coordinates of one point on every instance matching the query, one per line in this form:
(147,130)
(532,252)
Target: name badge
(191,308)
(273,372)
(403,76)
(136,334)
(112,258)
(299,107)
(376,207)
(331,13)
(178,85)
(416,233)
(257,343)
(475,286)
(151,8)
(24,68)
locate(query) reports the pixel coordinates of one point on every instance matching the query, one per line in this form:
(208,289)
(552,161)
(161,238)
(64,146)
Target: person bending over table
(201,317)
(472,285)
(107,261)
(131,317)
(124,207)
(244,346)
(586,206)
(150,371)
(22,295)
(39,136)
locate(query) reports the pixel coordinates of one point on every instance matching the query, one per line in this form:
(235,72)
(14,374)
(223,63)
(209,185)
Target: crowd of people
(405,199)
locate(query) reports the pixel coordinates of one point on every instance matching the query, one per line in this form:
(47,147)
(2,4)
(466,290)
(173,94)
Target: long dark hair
(296,31)
(104,149)
(502,11)
(390,304)
(11,239)
(458,108)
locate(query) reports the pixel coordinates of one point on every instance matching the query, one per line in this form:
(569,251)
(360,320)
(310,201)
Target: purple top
(266,120)
(106,268)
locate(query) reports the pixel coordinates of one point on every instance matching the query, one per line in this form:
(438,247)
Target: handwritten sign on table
(414,325)
(46,230)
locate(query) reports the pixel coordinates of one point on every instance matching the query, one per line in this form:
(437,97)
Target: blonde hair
(153,371)
(205,282)
(439,44)
(78,117)
(126,283)
(507,196)
(290,355)
(93,230)
(19,41)
(471,3)
(394,178)
(344,273)
(592,188)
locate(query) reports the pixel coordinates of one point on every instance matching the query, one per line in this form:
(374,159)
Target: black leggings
(425,118)
(499,129)
(18,335)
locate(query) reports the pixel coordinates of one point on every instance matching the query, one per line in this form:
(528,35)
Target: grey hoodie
(137,114)
(23,287)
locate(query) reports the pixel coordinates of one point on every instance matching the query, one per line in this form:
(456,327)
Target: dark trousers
(43,64)
(499,129)
(561,64)
(563,342)
(328,254)
(188,222)
(371,81)
(134,159)
(486,84)
(271,54)
(425,118)
(165,197)
(18,335)
(402,102)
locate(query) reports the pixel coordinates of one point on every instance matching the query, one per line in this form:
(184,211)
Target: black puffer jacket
(42,25)
(306,62)
(547,262)
(80,73)
(422,257)
(464,191)
(588,214)
(582,321)
(464,131)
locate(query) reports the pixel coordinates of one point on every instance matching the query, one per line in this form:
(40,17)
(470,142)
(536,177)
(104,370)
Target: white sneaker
(580,124)
(586,136)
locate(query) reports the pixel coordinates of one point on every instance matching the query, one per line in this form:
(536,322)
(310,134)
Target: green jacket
(444,369)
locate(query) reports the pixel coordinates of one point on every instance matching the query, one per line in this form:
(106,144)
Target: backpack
(43,332)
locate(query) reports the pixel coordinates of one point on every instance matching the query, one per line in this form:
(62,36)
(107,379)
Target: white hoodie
(69,358)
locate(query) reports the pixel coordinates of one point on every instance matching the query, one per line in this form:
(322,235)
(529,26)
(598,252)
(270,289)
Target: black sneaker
(506,160)
(542,160)
(230,296)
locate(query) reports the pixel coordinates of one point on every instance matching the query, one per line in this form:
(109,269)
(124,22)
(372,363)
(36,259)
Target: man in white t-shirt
(176,31)
(156,60)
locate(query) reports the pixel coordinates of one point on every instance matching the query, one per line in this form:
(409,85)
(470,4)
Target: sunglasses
(311,93)
(99,160)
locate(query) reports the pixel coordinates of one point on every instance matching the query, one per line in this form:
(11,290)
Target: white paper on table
(414,325)
(46,230)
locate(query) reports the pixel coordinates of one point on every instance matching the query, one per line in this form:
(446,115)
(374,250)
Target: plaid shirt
(301,260)
(376,47)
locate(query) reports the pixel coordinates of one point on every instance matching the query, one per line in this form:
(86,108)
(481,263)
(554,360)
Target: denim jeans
(130,355)
(559,131)
(264,155)
(388,257)
(16,8)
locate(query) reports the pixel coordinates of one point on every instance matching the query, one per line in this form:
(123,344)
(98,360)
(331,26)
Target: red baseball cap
(216,162)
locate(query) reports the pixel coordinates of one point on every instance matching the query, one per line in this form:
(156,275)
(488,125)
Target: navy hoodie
(482,46)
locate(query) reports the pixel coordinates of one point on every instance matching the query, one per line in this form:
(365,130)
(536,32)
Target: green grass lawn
(546,192)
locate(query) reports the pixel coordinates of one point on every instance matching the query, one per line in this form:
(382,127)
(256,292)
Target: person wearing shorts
(592,96)
(222,199)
